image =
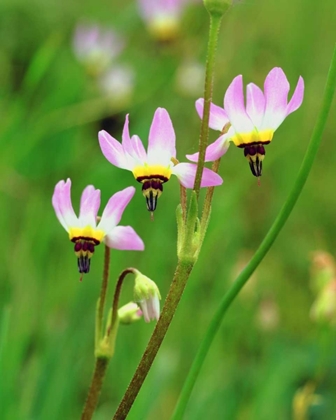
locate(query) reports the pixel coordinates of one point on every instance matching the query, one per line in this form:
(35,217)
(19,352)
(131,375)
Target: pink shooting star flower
(154,167)
(84,231)
(251,127)
(162,17)
(96,46)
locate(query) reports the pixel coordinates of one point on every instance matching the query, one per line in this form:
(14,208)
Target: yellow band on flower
(87,232)
(254,137)
(152,171)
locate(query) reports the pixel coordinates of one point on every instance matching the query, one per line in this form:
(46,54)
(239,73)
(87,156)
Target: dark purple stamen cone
(255,155)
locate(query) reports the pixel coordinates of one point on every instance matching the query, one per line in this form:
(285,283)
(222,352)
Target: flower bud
(129,313)
(147,295)
(217,7)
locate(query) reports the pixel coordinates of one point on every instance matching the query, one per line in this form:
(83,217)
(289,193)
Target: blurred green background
(51,110)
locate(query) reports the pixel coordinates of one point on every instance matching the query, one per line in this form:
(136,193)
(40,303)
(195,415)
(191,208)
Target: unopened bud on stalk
(217,7)
(129,313)
(147,295)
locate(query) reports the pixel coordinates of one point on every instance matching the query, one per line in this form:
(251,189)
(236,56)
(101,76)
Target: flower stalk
(266,244)
(215,23)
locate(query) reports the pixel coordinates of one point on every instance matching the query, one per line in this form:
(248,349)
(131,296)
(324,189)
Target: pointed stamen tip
(258,180)
(152,215)
(81,277)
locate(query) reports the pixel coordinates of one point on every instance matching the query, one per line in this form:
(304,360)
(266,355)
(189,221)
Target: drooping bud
(129,313)
(147,295)
(217,7)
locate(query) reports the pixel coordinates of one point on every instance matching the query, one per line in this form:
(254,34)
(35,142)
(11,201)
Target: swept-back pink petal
(255,104)
(161,140)
(186,173)
(61,201)
(214,151)
(131,148)
(235,107)
(217,118)
(89,206)
(276,90)
(124,238)
(297,97)
(113,150)
(114,209)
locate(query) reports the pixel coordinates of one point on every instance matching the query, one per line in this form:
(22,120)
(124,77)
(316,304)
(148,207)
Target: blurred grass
(51,112)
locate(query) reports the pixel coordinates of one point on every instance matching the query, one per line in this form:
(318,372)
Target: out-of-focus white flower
(118,84)
(190,78)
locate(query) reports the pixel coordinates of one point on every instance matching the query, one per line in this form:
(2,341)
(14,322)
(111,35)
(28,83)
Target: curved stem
(115,304)
(181,276)
(215,22)
(264,246)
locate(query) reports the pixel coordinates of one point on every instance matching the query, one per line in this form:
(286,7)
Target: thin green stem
(215,22)
(265,245)
(101,362)
(181,276)
(103,290)
(208,200)
(95,388)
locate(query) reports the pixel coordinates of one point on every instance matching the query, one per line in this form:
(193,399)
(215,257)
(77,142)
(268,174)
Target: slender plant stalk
(264,246)
(104,286)
(215,22)
(95,388)
(208,200)
(101,362)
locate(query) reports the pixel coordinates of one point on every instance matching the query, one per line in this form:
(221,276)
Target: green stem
(265,245)
(208,200)
(95,388)
(215,22)
(101,362)
(181,276)
(103,291)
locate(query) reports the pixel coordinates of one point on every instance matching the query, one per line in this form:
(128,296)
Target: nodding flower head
(154,167)
(147,296)
(84,231)
(251,126)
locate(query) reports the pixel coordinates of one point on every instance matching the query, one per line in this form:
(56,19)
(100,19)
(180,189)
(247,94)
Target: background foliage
(51,111)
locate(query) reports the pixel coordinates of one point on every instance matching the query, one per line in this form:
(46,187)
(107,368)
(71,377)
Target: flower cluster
(152,169)
(249,124)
